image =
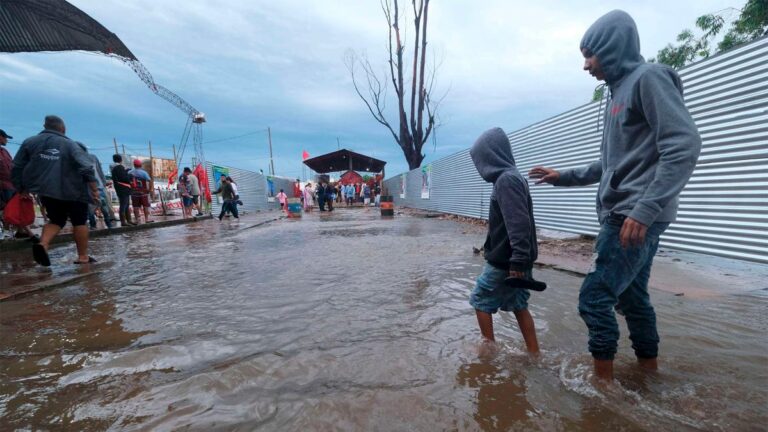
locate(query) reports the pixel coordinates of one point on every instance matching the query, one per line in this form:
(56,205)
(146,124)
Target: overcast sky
(249,65)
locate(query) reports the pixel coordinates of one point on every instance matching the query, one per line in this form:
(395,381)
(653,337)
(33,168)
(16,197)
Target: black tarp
(54,25)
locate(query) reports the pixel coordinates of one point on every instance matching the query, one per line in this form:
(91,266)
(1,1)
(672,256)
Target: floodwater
(345,322)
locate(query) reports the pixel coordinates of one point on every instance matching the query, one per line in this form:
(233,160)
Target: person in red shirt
(7,191)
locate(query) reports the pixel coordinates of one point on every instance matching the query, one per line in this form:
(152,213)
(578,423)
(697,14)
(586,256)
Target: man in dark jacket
(122,182)
(61,173)
(510,247)
(649,150)
(229,197)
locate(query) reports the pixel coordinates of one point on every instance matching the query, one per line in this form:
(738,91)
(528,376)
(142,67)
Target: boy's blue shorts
(491,293)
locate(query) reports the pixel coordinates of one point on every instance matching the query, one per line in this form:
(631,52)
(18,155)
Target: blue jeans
(619,279)
(491,292)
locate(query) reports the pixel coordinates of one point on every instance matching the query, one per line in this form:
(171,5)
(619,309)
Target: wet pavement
(344,321)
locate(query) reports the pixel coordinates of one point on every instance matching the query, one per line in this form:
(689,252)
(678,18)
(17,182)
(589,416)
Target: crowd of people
(326,194)
(68,184)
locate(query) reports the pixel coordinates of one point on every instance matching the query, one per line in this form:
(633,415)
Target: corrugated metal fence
(724,207)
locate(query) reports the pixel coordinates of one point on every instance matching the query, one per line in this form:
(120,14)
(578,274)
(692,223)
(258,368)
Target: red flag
(304,155)
(172,176)
(202,177)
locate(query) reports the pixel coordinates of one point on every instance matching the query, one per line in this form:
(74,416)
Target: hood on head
(614,40)
(492,154)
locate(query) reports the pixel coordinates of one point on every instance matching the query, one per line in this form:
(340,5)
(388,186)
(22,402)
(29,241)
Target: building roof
(343,160)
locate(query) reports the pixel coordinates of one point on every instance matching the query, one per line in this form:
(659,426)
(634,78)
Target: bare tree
(417,118)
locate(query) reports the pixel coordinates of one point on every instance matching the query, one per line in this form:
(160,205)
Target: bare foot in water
(649,364)
(487,349)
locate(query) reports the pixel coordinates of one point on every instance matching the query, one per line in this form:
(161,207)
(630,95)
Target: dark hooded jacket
(650,144)
(511,241)
(52,165)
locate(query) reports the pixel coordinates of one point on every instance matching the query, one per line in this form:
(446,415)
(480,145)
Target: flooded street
(345,321)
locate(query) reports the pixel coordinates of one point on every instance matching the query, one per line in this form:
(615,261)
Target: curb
(7,246)
(31,289)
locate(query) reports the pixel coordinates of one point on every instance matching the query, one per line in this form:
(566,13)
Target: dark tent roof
(343,160)
(54,25)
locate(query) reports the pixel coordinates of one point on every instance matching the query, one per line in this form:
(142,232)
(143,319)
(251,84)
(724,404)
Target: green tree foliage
(751,23)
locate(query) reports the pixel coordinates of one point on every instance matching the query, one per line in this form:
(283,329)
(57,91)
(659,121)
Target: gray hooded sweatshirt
(511,241)
(650,144)
(52,165)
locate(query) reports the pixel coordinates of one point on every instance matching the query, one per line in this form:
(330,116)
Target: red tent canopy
(350,177)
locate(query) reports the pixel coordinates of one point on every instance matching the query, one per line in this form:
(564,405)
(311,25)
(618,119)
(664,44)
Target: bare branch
(350,59)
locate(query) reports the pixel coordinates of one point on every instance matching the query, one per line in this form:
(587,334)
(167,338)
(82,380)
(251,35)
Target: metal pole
(114,141)
(271,161)
(338,144)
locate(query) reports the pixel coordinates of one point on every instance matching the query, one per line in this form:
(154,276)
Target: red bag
(19,211)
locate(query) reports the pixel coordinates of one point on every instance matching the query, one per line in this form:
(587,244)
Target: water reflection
(501,401)
(45,341)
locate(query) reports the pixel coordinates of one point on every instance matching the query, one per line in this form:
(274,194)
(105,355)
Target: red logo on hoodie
(616,108)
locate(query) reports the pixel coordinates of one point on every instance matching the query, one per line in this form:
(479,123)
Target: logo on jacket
(50,154)
(616,108)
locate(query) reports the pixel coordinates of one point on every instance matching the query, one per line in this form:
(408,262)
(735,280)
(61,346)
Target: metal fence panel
(251,186)
(724,207)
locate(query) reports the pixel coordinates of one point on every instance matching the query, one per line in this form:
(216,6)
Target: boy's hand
(632,233)
(544,175)
(517,274)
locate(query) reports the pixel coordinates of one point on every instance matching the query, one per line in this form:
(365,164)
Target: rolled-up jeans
(618,279)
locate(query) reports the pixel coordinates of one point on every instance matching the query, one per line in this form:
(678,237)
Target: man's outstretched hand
(544,175)
(632,233)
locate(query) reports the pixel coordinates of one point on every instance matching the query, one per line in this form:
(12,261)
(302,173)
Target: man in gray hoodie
(61,173)
(510,247)
(649,150)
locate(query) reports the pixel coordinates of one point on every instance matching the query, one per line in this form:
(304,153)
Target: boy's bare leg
(485,321)
(528,329)
(648,363)
(604,370)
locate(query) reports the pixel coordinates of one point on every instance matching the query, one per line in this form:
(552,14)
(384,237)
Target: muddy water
(345,322)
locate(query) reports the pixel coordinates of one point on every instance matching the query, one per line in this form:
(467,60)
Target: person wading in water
(649,150)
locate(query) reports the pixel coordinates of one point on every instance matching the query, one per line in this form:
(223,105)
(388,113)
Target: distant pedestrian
(7,191)
(101,203)
(510,247)
(309,197)
(56,168)
(140,191)
(329,196)
(228,195)
(350,194)
(122,183)
(377,195)
(186,197)
(282,198)
(320,194)
(366,191)
(194,191)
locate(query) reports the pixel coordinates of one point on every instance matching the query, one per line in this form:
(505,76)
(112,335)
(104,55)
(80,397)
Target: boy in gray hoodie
(510,248)
(649,150)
